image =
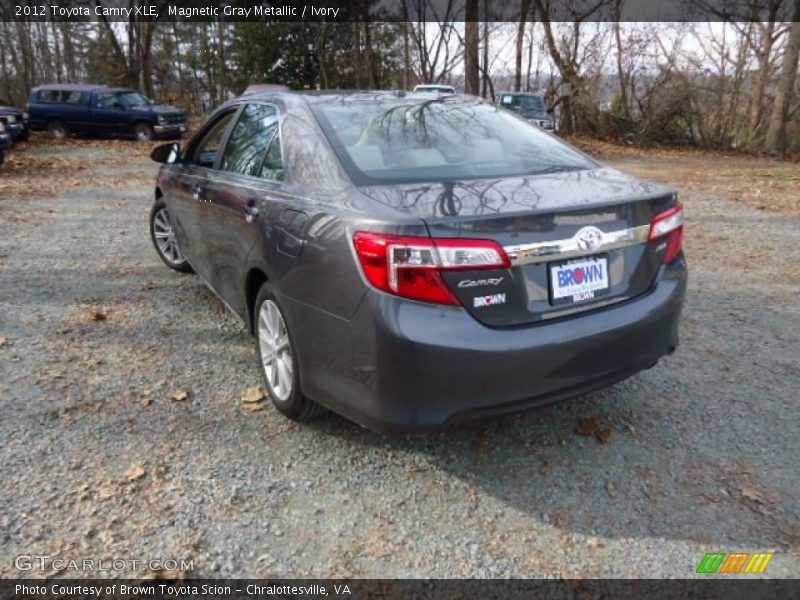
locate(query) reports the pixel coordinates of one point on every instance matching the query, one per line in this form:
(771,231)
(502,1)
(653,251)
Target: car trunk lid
(577,240)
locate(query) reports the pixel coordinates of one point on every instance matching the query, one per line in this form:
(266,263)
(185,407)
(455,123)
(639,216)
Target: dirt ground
(124,434)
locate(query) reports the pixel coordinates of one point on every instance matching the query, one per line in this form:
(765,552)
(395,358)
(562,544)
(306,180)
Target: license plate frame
(589,292)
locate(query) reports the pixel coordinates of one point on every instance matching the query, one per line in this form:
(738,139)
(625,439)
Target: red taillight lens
(412,266)
(668,226)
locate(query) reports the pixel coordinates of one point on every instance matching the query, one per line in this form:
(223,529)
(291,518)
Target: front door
(188,198)
(107,113)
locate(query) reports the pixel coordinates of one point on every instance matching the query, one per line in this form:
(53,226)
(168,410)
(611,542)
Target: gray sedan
(407,260)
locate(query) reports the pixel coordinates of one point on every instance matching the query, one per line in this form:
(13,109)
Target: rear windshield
(411,140)
(534,103)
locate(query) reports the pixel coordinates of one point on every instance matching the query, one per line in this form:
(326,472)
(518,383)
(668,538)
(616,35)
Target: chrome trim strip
(578,245)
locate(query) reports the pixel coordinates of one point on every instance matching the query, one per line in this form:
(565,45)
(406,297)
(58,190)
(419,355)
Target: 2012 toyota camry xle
(406,260)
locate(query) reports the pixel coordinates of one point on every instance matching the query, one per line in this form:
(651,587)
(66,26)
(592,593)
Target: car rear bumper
(402,364)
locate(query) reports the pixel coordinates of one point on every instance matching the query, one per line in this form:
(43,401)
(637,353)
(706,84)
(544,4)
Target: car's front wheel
(279,361)
(162,233)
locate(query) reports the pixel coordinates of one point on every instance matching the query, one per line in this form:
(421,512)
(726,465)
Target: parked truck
(65,108)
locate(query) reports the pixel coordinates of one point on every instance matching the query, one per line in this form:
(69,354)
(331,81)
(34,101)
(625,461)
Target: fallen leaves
(253,394)
(98,315)
(180,395)
(594,426)
(4,341)
(588,426)
(253,399)
(135,472)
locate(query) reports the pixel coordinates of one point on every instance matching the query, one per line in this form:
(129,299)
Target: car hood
(532,193)
(160,109)
(535,114)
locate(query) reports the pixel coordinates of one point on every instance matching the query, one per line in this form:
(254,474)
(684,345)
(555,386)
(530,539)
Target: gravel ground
(98,461)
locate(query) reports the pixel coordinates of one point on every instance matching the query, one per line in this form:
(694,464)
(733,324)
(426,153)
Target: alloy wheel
(164,234)
(276,351)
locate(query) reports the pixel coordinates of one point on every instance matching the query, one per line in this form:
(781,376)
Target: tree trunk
(623,80)
(776,134)
(485,70)
(523,17)
(223,73)
(406,55)
(763,55)
(471,71)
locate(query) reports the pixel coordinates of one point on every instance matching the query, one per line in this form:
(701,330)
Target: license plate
(579,280)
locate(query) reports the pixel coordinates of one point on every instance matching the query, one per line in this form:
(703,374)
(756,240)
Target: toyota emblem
(589,238)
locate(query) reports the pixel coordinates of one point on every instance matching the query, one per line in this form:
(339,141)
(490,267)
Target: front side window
(133,99)
(404,140)
(205,152)
(251,141)
(106,100)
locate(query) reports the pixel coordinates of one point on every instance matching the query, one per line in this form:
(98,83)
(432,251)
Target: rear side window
(60,97)
(251,140)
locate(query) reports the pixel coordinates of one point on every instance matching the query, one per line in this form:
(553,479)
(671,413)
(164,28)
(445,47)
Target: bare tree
(471,70)
(776,134)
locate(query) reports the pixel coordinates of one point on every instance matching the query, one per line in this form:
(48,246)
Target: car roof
(521,94)
(81,87)
(331,96)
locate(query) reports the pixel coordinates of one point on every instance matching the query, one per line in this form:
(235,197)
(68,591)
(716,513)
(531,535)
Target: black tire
(26,135)
(180,264)
(143,132)
(57,129)
(2,157)
(296,406)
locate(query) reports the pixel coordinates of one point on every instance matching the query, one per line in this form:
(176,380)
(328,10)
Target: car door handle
(250,212)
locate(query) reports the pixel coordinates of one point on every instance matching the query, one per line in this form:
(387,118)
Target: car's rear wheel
(26,135)
(143,132)
(162,233)
(57,130)
(2,157)
(279,361)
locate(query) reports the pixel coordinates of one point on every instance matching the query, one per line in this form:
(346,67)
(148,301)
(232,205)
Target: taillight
(412,267)
(668,226)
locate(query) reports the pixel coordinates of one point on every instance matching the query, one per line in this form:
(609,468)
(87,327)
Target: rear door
(238,195)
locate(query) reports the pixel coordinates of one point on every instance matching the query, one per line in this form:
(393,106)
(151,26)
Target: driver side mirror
(166,153)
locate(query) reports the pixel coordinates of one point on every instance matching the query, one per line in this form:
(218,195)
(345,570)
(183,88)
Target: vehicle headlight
(26,116)
(12,119)
(2,127)
(162,119)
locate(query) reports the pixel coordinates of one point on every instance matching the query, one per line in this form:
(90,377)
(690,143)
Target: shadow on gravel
(697,449)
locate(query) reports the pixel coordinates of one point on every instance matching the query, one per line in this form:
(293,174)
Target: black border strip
(389,10)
